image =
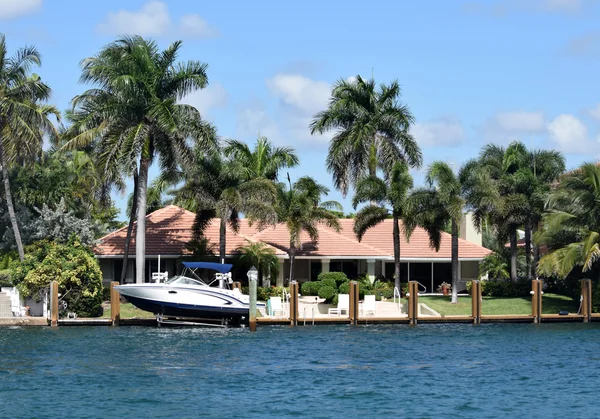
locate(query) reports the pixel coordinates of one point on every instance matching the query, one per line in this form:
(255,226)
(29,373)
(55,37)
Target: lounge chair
(276,306)
(342,305)
(368,307)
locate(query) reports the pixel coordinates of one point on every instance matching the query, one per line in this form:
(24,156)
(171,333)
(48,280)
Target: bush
(5,280)
(310,288)
(327,292)
(344,288)
(338,277)
(264,293)
(505,288)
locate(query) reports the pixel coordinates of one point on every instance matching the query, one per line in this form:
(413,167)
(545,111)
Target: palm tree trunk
(528,263)
(222,238)
(455,278)
(9,203)
(130,227)
(396,253)
(140,236)
(513,255)
(292,254)
(536,254)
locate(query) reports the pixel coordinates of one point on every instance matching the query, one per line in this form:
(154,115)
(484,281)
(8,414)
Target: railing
(397,292)
(313,315)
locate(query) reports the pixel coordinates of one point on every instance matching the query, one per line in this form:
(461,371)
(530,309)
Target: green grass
(551,304)
(129,311)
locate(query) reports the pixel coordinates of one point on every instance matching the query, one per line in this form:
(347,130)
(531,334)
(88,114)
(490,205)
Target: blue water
(324,371)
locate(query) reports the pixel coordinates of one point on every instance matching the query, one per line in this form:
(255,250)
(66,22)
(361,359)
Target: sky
(472,72)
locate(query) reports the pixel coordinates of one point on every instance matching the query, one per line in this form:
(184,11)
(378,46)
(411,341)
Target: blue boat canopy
(220,267)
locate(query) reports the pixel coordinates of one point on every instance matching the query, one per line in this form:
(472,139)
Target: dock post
(54,304)
(294,303)
(115,304)
(353,306)
(252,292)
(586,299)
(536,300)
(413,302)
(476,301)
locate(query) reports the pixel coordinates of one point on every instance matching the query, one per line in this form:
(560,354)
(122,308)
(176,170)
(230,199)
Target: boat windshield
(184,280)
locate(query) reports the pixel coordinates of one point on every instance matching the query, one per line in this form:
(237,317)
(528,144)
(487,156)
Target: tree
(300,209)
(436,207)
(24,118)
(372,131)
(392,192)
(265,161)
(571,225)
(261,256)
(132,112)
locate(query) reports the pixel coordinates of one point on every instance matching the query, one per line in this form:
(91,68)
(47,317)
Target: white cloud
(195,26)
(571,135)
(521,121)
(504,7)
(446,131)
(153,19)
(253,121)
(213,96)
(10,9)
(305,95)
(595,112)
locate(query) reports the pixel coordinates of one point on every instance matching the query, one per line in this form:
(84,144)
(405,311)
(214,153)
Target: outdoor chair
(276,306)
(342,305)
(368,307)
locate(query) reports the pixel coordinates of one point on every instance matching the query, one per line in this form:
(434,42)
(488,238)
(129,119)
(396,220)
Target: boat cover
(220,267)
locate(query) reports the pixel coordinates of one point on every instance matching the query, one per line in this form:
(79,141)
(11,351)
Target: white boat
(189,296)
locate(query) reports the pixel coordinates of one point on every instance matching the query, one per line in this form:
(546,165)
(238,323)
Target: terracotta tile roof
(169,229)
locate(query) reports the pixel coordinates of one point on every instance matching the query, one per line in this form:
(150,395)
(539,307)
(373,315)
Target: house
(169,229)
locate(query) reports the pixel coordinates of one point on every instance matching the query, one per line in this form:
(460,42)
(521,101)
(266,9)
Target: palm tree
(217,186)
(435,207)
(24,119)
(372,131)
(132,112)
(265,161)
(392,192)
(571,227)
(299,207)
(261,256)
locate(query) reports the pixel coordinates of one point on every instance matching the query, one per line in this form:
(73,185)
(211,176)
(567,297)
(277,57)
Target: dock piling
(413,302)
(536,300)
(252,291)
(476,301)
(294,303)
(353,306)
(54,304)
(115,304)
(586,300)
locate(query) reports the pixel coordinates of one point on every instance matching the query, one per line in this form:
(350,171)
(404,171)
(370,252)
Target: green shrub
(310,288)
(328,282)
(505,288)
(344,288)
(264,293)
(5,280)
(338,277)
(327,292)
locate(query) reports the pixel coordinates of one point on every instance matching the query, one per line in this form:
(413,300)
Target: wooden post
(294,303)
(252,292)
(476,301)
(586,299)
(536,300)
(54,304)
(353,306)
(413,302)
(115,304)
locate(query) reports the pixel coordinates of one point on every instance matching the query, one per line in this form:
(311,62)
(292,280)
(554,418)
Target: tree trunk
(140,236)
(528,263)
(513,255)
(9,203)
(455,233)
(536,254)
(292,254)
(397,254)
(222,238)
(130,227)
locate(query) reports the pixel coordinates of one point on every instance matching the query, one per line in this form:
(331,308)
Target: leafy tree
(133,112)
(392,192)
(299,207)
(261,256)
(24,118)
(372,131)
(60,225)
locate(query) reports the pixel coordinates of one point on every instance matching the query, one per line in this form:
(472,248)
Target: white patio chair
(368,307)
(276,306)
(342,305)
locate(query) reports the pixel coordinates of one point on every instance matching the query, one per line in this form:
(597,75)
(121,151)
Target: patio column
(371,270)
(281,273)
(325,265)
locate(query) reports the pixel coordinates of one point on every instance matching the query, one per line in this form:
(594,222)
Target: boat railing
(313,315)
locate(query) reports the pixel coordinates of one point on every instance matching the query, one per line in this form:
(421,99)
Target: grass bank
(129,311)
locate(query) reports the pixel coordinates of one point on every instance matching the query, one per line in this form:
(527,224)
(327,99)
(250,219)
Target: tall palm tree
(571,226)
(217,186)
(392,192)
(299,207)
(264,161)
(261,256)
(132,112)
(24,118)
(438,205)
(372,131)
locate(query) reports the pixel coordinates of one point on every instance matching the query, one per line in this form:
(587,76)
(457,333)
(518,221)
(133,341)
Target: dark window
(442,272)
(421,272)
(316,267)
(389,271)
(117,268)
(349,267)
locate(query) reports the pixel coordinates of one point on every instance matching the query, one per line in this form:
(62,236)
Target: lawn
(551,304)
(129,311)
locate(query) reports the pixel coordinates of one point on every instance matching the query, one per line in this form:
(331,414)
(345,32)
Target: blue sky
(472,72)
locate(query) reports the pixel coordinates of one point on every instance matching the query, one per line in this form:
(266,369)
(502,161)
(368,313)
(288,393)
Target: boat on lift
(187,298)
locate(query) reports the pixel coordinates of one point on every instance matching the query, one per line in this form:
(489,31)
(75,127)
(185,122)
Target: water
(338,371)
